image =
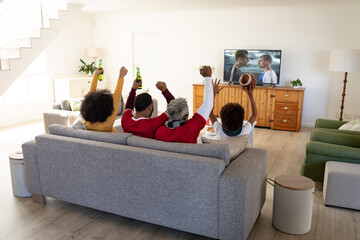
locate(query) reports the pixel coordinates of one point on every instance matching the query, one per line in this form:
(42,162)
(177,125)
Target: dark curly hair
(232,116)
(142,101)
(97,106)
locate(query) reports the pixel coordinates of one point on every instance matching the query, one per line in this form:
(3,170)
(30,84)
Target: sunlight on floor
(11,139)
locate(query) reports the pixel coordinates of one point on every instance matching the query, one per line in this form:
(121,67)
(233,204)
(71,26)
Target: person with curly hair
(140,124)
(178,128)
(232,118)
(98,107)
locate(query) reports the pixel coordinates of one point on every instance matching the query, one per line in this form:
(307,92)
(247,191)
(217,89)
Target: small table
(18,180)
(293,203)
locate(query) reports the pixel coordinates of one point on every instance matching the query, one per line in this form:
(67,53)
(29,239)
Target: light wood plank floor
(23,219)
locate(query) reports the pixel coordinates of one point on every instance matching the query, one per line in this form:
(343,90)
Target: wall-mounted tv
(232,72)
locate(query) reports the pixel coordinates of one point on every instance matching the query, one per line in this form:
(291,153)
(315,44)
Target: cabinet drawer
(286,96)
(286,122)
(286,108)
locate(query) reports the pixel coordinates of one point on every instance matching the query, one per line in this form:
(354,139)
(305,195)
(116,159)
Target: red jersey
(142,127)
(188,133)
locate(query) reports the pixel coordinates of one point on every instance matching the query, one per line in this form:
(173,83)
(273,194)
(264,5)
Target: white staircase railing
(21,20)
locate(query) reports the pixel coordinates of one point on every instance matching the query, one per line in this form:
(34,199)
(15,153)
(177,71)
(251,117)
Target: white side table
(18,180)
(293,203)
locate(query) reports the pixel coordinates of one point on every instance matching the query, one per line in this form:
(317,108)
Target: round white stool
(293,203)
(18,181)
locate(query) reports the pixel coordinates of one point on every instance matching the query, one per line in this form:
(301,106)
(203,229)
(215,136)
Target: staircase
(26,28)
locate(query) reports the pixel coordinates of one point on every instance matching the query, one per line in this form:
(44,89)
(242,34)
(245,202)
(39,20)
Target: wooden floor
(23,219)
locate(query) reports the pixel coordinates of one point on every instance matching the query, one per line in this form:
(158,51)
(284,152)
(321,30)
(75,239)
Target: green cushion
(328,123)
(334,137)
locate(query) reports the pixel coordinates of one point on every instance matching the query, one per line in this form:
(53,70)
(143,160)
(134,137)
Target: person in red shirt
(141,124)
(178,128)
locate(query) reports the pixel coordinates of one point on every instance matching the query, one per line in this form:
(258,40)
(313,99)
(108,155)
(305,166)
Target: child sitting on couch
(232,118)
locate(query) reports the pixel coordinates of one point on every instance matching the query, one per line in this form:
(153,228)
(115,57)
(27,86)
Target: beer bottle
(101,76)
(138,77)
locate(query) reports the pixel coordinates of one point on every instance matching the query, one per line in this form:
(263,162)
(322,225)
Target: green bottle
(101,76)
(138,77)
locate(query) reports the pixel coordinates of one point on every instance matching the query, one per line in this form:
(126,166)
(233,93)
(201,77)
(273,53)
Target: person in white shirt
(232,117)
(269,75)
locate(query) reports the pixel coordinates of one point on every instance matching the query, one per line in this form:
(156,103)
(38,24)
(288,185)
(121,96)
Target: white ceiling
(139,6)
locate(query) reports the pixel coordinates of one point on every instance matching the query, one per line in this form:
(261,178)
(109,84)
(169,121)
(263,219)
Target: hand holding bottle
(101,75)
(138,77)
(123,72)
(136,84)
(98,72)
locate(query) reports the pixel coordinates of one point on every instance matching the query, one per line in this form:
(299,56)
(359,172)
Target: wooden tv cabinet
(278,107)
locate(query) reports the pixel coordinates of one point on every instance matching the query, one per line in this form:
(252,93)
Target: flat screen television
(253,64)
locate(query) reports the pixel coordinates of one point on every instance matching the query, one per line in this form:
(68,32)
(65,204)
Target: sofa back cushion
(118,138)
(236,144)
(219,151)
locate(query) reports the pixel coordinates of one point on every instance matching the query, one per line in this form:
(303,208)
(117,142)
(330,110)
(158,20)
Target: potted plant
(296,83)
(87,68)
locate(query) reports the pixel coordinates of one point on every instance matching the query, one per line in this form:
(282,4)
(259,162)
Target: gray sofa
(63,114)
(189,187)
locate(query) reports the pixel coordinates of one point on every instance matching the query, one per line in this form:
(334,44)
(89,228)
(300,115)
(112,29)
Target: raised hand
(97,72)
(161,86)
(205,71)
(249,90)
(123,72)
(216,87)
(136,84)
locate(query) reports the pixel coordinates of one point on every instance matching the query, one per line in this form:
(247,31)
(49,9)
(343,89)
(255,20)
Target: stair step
(8,53)
(5,65)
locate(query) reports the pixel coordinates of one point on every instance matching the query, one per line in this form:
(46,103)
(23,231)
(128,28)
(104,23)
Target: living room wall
(176,43)
(62,57)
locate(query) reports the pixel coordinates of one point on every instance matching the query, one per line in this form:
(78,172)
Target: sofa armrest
(332,150)
(321,135)
(327,123)
(242,192)
(62,117)
(32,167)
(56,106)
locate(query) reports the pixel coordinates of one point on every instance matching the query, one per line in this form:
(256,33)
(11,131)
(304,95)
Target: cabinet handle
(285,121)
(287,95)
(286,108)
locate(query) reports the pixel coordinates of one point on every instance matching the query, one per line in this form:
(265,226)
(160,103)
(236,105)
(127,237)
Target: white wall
(63,55)
(306,34)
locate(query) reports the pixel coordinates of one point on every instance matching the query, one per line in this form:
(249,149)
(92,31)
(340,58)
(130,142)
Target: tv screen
(260,69)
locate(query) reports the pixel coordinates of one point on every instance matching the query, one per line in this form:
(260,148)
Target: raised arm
(130,101)
(118,89)
(95,80)
(208,102)
(216,90)
(254,112)
(165,92)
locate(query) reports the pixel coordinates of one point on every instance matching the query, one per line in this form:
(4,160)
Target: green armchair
(327,143)
(333,126)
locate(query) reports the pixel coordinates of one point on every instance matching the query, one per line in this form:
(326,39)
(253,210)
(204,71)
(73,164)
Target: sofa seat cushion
(118,138)
(236,144)
(220,151)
